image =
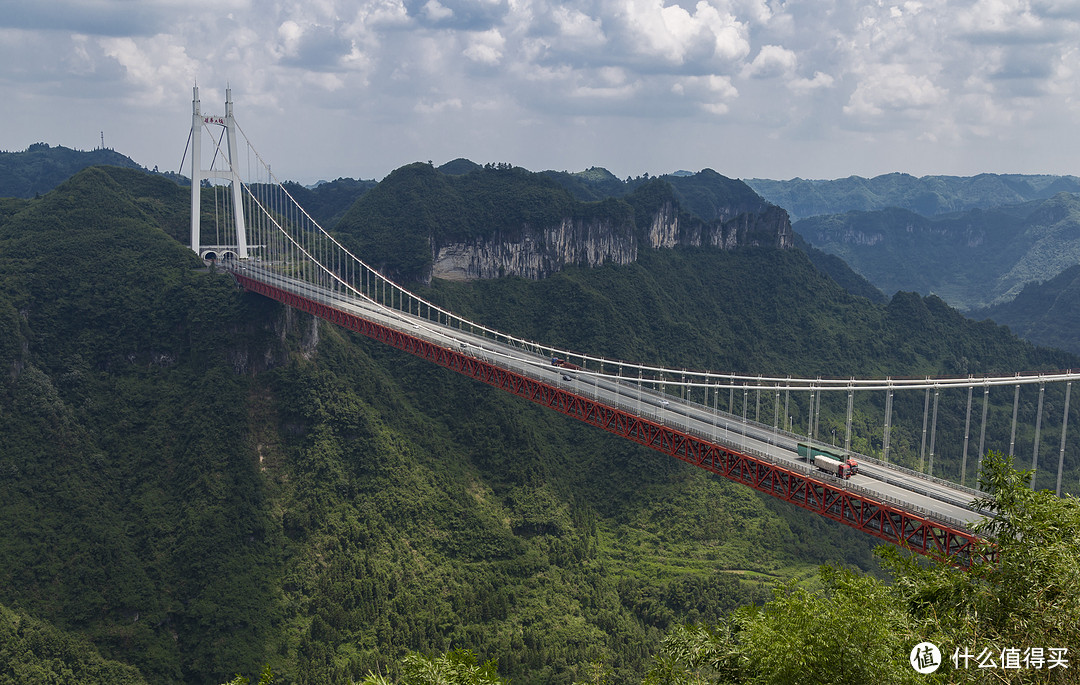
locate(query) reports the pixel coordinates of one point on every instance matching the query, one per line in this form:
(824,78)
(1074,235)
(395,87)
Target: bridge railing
(687,425)
(287,241)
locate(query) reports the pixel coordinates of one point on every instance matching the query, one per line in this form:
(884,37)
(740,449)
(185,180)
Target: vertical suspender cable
(967,433)
(787,403)
(745,395)
(850,409)
(817,412)
(925,414)
(982,435)
(888,423)
(1064,428)
(776,414)
(1016,405)
(757,401)
(933,434)
(1038,428)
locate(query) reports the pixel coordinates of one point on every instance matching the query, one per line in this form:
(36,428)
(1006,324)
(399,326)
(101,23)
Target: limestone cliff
(537,252)
(420,223)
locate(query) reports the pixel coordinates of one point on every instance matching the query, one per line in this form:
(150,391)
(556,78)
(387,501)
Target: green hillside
(972,259)
(40,168)
(1045,312)
(200,481)
(393,225)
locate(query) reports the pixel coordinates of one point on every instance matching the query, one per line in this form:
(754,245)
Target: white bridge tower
(230,174)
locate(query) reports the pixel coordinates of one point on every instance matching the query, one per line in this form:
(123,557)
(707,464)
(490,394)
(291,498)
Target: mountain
(328,202)
(1044,312)
(199,481)
(40,168)
(928,195)
(420,223)
(972,259)
(838,270)
(33,651)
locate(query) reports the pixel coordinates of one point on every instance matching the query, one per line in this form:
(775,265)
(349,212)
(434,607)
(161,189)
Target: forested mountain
(927,196)
(40,168)
(1045,312)
(498,220)
(200,481)
(328,202)
(971,259)
(839,271)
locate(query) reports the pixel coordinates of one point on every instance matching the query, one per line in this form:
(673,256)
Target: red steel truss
(881,520)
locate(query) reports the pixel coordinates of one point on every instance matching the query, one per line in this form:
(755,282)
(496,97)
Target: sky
(750,88)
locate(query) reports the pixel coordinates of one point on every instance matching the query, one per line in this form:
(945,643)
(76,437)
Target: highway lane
(932,497)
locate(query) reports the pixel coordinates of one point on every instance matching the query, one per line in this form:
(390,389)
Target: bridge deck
(898,505)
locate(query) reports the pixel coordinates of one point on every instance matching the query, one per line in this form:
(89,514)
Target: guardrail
(661,415)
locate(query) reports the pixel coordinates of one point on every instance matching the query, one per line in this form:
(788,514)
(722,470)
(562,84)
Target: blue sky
(750,88)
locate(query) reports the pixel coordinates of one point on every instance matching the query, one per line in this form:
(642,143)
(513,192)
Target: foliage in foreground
(33,651)
(857,629)
(267,678)
(458,666)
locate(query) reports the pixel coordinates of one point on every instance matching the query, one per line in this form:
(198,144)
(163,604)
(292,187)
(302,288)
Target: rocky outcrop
(536,253)
(767,228)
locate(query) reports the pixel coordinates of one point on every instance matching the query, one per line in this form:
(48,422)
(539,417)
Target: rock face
(537,252)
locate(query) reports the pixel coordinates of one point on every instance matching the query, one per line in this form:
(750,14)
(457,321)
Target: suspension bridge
(742,427)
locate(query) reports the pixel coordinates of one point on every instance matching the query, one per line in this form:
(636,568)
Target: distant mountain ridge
(698,208)
(41,167)
(926,195)
(1046,313)
(971,259)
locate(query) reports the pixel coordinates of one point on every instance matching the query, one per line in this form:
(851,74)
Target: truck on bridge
(839,465)
(562,363)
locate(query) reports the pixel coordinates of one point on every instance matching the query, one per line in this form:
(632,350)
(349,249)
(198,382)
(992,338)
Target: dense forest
(972,259)
(197,481)
(41,167)
(1045,311)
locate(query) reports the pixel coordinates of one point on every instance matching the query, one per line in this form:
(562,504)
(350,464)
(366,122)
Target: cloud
(438,107)
(463,15)
(830,72)
(890,88)
(677,36)
(804,85)
(772,61)
(435,11)
(485,47)
(153,66)
(311,46)
(114,18)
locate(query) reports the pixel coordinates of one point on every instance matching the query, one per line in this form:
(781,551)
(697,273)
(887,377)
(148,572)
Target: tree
(853,631)
(457,667)
(267,678)
(1021,592)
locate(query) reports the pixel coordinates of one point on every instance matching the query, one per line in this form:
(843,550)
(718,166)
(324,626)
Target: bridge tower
(198,123)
